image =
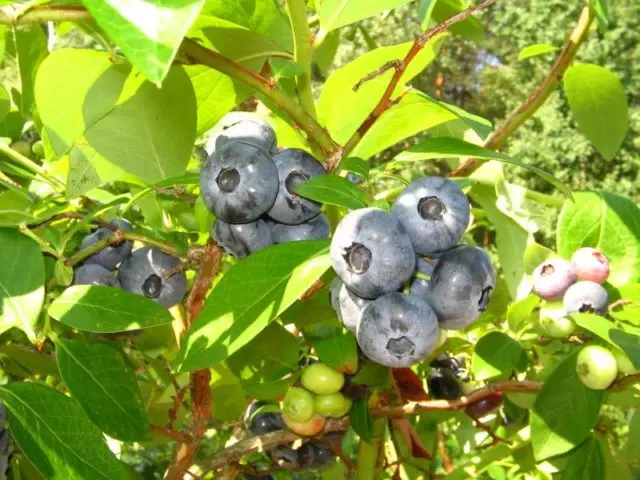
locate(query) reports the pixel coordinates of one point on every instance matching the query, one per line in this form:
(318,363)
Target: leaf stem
(317,134)
(31,166)
(400,67)
(10,15)
(369,465)
(302,52)
(538,97)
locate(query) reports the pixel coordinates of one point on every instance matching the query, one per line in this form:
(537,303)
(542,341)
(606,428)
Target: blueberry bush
(225,255)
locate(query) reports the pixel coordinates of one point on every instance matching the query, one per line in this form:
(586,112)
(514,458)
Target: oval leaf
(249,296)
(536,50)
(608,223)
(338,13)
(586,462)
(107,310)
(496,354)
(599,105)
(333,190)
(100,378)
(449,147)
(556,427)
(56,436)
(149,33)
(21,282)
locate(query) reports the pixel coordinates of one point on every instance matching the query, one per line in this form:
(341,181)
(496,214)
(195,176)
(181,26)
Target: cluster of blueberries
(573,286)
(303,411)
(447,378)
(377,253)
(6,445)
(147,271)
(250,187)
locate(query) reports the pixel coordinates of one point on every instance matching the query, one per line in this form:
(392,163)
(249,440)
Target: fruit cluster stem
(538,97)
(302,53)
(31,167)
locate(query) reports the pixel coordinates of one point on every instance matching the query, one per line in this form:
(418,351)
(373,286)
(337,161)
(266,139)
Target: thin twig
(400,67)
(537,97)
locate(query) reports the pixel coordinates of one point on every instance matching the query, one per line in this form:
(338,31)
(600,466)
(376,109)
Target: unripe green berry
(332,405)
(298,404)
(321,379)
(596,367)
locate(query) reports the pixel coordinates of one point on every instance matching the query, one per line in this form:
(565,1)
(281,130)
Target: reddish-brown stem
(185,451)
(442,451)
(170,433)
(537,97)
(399,66)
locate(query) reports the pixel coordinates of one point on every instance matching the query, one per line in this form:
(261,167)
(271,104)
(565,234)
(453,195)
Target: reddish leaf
(409,384)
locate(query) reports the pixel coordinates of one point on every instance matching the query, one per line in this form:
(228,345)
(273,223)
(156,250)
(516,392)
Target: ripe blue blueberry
(295,166)
(315,455)
(111,255)
(552,278)
(443,384)
(347,305)
(239,182)
(398,330)
(286,454)
(240,240)
(259,423)
(94,274)
(6,452)
(355,178)
(372,253)
(314,229)
(151,272)
(253,131)
(586,297)
(435,212)
(461,286)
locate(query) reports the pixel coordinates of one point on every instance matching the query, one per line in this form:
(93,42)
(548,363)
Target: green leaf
(324,54)
(519,312)
(26,48)
(564,412)
(248,297)
(338,13)
(334,346)
(100,378)
(272,354)
(629,310)
(216,94)
(148,32)
(333,190)
(608,223)
(415,113)
(585,462)
(511,240)
(56,436)
(598,102)
(633,442)
(448,147)
(270,390)
(356,165)
(601,8)
(536,50)
(110,121)
(628,341)
(5,103)
(284,68)
(372,373)
(497,354)
(470,28)
(338,89)
(21,282)
(264,17)
(360,420)
(107,310)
